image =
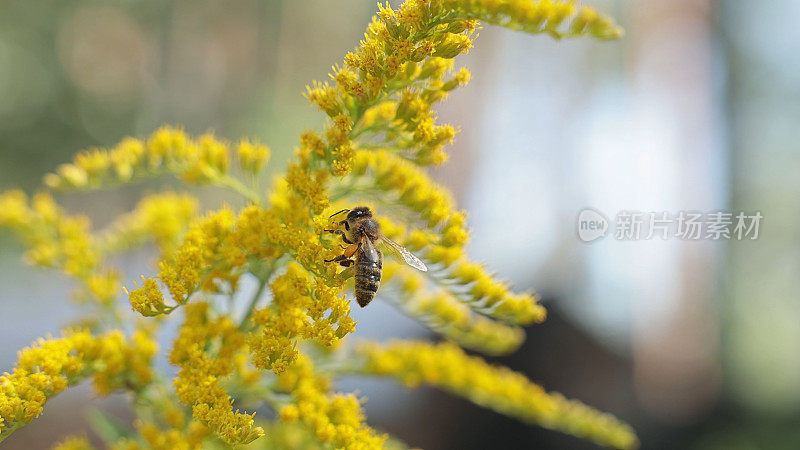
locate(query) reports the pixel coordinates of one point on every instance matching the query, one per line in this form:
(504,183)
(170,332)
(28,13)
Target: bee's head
(359,212)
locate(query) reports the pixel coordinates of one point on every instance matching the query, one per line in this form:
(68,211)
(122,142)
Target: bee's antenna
(336,214)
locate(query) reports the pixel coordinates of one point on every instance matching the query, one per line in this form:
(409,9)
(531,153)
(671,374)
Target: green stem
(238,187)
(352,363)
(251,307)
(7,432)
(275,400)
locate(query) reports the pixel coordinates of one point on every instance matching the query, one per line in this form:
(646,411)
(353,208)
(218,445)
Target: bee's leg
(336,232)
(346,262)
(338,259)
(351,250)
(348,253)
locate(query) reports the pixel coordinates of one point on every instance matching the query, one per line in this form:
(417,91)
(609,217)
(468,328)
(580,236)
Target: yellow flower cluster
(60,241)
(184,271)
(74,443)
(57,240)
(334,418)
(203,256)
(440,311)
(447,366)
(162,217)
(51,365)
(311,186)
(199,380)
(489,296)
(220,246)
(168,151)
(557,18)
(123,363)
(300,308)
(385,91)
(391,109)
(415,190)
(252,156)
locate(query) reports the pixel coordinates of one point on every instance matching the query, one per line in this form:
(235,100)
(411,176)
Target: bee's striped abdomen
(367,279)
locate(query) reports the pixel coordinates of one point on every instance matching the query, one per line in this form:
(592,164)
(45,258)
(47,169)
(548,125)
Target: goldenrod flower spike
(334,418)
(301,308)
(74,443)
(252,156)
(56,239)
(205,160)
(63,242)
(50,366)
(447,366)
(162,218)
(443,313)
(199,380)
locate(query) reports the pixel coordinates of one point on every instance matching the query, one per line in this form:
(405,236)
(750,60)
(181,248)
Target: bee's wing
(368,249)
(408,257)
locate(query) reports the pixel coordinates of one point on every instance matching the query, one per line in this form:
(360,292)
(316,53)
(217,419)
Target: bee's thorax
(360,227)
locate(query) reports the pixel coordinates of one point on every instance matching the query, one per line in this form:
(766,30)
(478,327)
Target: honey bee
(362,232)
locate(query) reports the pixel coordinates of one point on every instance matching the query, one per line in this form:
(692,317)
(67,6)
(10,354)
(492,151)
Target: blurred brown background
(697,343)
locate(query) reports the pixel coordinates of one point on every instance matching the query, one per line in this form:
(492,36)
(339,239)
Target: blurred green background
(696,343)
